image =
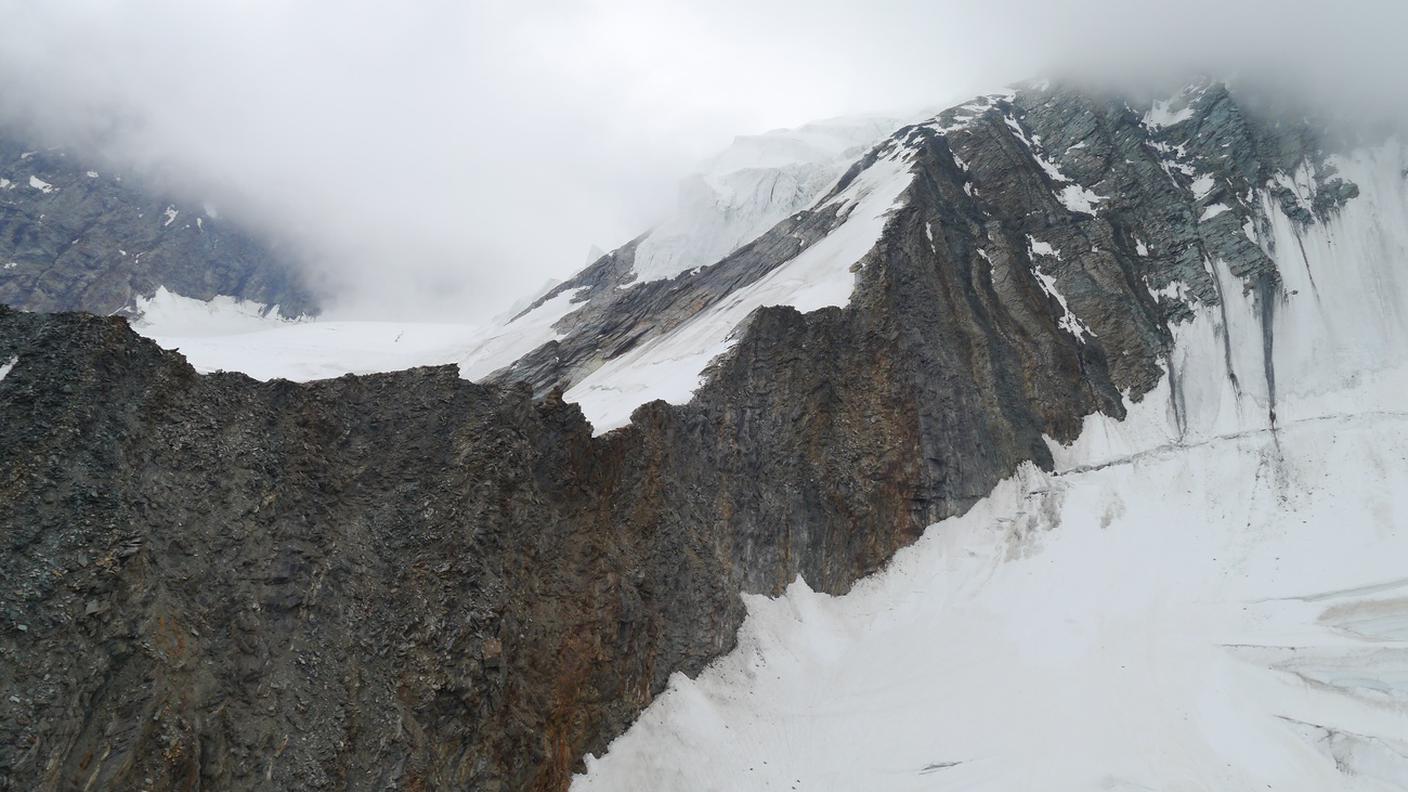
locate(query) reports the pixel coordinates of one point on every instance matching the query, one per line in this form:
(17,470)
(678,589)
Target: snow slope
(1200,597)
(670,367)
(751,186)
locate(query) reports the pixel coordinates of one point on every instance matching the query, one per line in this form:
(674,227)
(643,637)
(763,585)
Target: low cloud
(439,159)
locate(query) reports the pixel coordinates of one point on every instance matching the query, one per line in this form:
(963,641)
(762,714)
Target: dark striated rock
(74,238)
(408,581)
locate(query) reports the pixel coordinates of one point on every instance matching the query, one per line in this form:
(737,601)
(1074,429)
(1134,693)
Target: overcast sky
(452,155)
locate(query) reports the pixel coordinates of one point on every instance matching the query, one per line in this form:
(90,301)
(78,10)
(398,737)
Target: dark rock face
(71,241)
(409,581)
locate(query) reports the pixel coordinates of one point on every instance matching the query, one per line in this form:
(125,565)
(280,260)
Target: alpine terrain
(1055,440)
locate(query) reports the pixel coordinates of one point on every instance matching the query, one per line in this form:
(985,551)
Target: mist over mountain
(407,152)
(1048,434)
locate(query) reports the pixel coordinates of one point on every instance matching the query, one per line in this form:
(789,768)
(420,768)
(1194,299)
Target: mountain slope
(737,195)
(75,238)
(1208,592)
(432,583)
(750,186)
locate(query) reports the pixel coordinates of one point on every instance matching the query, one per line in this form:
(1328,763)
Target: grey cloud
(441,158)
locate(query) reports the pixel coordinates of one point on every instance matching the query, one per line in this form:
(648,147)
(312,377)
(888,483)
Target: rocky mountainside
(411,581)
(74,237)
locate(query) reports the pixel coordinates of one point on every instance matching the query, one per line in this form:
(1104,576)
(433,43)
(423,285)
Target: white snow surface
(303,351)
(8,366)
(1191,600)
(41,185)
(1213,210)
(166,313)
(1202,186)
(751,186)
(507,343)
(225,334)
(671,366)
(1160,115)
